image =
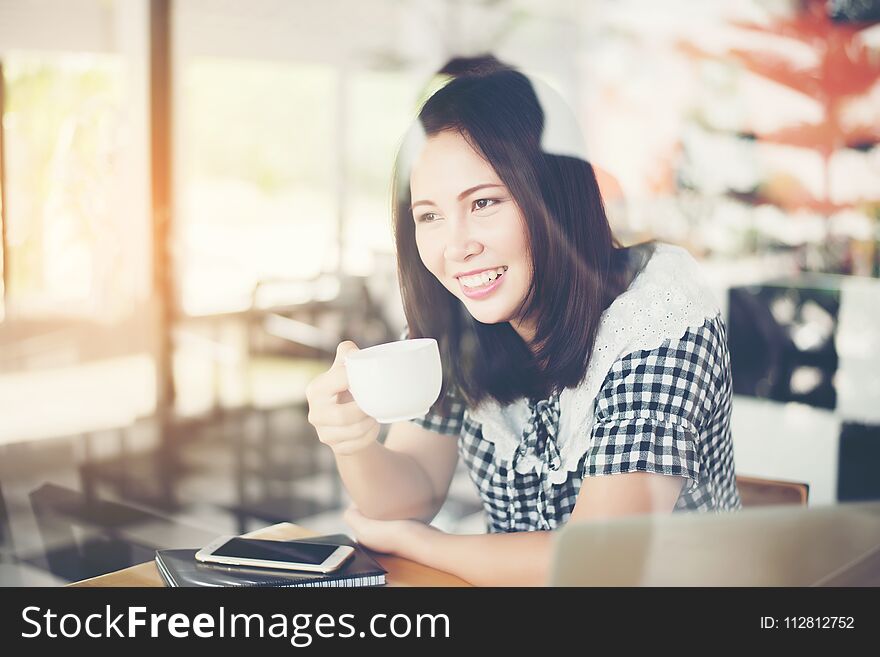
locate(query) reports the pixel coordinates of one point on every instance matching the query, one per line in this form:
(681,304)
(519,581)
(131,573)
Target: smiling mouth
(482,280)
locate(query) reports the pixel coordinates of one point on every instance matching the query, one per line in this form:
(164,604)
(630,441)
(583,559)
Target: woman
(566,358)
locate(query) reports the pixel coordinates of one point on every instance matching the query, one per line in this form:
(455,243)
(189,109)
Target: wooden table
(401,572)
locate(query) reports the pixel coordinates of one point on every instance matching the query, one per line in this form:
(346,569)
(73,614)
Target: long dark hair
(578,267)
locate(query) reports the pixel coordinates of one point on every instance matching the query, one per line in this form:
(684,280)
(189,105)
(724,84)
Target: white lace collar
(666,299)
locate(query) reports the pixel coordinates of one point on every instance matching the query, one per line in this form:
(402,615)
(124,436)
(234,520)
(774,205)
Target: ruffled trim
(676,441)
(666,299)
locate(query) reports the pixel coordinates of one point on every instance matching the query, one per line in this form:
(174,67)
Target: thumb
(343,349)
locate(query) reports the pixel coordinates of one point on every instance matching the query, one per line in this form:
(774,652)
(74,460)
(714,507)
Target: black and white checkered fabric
(665,411)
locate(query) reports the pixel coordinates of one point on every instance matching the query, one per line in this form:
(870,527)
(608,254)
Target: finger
(323,387)
(336,436)
(343,349)
(334,380)
(336,415)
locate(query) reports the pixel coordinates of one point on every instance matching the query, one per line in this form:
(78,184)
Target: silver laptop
(837,545)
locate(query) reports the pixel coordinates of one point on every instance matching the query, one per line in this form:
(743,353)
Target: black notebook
(180,568)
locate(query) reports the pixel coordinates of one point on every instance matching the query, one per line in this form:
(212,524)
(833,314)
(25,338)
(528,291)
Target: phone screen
(292,552)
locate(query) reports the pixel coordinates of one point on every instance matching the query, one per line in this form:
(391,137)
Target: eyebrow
(461,196)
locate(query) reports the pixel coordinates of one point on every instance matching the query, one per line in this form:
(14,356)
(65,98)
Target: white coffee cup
(396,381)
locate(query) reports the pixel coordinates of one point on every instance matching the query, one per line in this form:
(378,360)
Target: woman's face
(469,229)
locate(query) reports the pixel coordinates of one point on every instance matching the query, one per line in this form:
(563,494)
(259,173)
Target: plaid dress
(665,410)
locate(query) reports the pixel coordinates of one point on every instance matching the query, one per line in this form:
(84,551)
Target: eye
(483,203)
(428,217)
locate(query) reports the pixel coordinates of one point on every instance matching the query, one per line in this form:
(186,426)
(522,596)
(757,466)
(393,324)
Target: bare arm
(519,558)
(407,477)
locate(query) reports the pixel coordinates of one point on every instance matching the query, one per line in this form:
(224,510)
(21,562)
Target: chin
(487,316)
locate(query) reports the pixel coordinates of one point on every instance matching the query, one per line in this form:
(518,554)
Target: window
(257,183)
(71,235)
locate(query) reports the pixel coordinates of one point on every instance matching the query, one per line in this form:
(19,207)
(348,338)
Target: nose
(461,243)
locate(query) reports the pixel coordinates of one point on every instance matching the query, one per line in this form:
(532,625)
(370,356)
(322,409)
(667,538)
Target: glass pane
(67,226)
(257,196)
(383,104)
(75,338)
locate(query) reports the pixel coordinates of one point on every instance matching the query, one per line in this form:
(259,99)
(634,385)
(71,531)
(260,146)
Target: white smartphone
(287,555)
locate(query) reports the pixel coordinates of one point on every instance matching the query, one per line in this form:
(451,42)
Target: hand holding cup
(337,418)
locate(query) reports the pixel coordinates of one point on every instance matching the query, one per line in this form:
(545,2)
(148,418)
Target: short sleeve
(653,405)
(446,423)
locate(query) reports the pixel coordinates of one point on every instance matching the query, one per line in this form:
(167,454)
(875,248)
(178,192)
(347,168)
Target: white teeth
(483,278)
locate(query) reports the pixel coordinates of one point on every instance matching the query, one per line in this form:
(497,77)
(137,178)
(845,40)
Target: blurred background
(194,199)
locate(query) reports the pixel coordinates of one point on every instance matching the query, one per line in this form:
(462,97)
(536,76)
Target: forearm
(387,485)
(504,559)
